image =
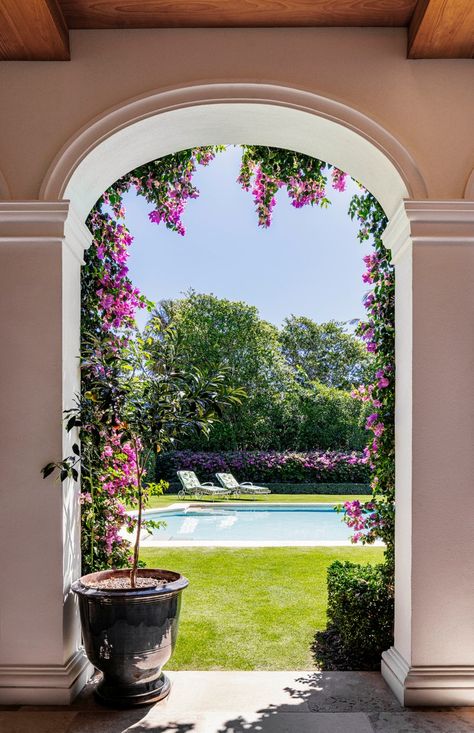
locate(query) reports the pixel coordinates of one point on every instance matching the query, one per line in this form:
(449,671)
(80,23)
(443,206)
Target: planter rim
(177,583)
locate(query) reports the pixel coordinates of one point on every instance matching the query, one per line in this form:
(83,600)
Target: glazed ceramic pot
(130,634)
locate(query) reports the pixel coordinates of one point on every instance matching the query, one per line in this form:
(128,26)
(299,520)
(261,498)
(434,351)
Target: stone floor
(249,702)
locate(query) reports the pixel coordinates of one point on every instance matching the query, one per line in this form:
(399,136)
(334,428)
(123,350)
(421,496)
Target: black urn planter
(129,634)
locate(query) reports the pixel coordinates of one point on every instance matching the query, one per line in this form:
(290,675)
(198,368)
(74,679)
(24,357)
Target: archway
(152,126)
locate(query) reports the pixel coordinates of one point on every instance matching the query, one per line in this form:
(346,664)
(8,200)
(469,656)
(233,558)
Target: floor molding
(53,684)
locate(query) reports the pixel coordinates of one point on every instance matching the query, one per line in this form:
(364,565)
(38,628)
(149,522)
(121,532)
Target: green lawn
(252,608)
(163,501)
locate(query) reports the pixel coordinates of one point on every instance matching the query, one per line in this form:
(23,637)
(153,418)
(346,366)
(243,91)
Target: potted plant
(142,399)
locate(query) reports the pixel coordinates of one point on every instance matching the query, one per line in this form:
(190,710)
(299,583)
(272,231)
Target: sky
(309,262)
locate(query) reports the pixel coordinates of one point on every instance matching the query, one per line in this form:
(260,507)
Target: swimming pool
(243,525)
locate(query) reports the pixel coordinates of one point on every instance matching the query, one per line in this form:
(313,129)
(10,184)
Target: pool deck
(248,702)
(146,540)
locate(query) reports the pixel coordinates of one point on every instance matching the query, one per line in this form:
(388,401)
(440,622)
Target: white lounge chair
(193,487)
(247,487)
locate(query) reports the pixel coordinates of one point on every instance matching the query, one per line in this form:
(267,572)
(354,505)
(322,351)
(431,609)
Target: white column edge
(428,685)
(429,221)
(44,684)
(42,222)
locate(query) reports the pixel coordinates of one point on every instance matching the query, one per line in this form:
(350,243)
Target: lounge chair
(229,482)
(193,487)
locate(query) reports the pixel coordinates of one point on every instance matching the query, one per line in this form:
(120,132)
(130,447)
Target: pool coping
(144,542)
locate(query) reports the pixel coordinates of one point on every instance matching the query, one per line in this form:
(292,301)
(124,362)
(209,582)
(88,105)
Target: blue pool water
(276,523)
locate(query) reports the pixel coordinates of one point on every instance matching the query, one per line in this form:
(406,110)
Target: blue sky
(309,262)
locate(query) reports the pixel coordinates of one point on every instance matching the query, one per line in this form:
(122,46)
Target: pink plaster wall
(426,104)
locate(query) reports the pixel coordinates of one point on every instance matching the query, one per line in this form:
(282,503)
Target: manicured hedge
(324,488)
(360,612)
(315,467)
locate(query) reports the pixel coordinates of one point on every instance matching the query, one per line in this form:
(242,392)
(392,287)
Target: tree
(282,410)
(214,333)
(140,409)
(324,352)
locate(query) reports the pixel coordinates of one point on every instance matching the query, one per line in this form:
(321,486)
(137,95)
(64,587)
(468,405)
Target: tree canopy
(324,352)
(296,379)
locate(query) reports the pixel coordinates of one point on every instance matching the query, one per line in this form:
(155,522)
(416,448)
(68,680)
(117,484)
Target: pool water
(276,524)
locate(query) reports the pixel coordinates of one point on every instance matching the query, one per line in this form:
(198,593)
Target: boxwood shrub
(360,612)
(324,488)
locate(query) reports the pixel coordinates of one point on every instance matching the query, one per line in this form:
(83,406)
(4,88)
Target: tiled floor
(249,702)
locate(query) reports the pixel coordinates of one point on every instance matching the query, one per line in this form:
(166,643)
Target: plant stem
(92,532)
(133,572)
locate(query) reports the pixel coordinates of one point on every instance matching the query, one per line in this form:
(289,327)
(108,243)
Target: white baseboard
(53,684)
(428,685)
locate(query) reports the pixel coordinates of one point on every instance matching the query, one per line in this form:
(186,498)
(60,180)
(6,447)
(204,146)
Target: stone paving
(249,702)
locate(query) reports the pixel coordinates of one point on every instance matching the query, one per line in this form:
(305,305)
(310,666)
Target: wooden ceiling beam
(33,30)
(442,29)
(235,13)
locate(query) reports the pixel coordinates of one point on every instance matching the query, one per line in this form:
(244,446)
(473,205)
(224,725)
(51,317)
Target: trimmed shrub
(325,488)
(314,467)
(360,612)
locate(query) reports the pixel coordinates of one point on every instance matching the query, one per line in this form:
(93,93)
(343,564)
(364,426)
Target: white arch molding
(433,657)
(154,125)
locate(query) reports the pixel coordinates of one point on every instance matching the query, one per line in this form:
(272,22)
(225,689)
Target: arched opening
(275,123)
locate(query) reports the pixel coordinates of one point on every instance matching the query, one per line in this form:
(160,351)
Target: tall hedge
(267,466)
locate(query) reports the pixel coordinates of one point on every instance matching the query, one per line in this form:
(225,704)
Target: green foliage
(167,399)
(215,333)
(360,611)
(285,408)
(324,352)
(313,415)
(157,488)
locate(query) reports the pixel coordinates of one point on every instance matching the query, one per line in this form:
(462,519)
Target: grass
(157,502)
(252,608)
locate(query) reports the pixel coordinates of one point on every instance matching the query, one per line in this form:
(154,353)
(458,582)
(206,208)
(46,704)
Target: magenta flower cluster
(361,517)
(300,189)
(118,481)
(339,180)
(168,190)
(368,520)
(118,299)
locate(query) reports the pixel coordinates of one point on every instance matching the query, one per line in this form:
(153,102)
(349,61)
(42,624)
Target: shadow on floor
(328,654)
(278,702)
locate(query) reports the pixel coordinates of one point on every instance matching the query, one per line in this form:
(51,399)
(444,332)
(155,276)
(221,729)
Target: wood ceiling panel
(32,30)
(235,13)
(442,29)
